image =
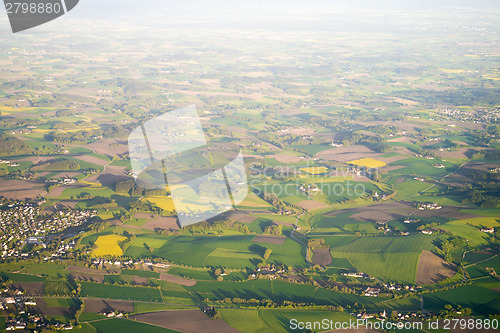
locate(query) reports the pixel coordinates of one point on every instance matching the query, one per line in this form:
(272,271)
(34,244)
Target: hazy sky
(285,14)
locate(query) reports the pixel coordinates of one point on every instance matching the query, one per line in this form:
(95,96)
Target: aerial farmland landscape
(370,141)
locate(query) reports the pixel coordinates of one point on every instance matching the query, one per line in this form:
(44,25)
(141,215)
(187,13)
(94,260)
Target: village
(25,229)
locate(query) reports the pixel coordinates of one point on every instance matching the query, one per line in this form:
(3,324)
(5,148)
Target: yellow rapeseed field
(165,203)
(368,162)
(314,170)
(108,246)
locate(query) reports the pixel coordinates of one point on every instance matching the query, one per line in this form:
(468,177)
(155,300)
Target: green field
(120,292)
(470,229)
(325,223)
(197,274)
(493,262)
(476,272)
(487,282)
(236,251)
(409,188)
(403,304)
(90,316)
(389,258)
(473,257)
(62,302)
(127,326)
(267,321)
(479,299)
(51,270)
(277,291)
(311,149)
(140,307)
(141,273)
(17,277)
(279,320)
(246,321)
(421,167)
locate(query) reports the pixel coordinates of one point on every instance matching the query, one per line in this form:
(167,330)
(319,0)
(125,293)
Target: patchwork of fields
(371,146)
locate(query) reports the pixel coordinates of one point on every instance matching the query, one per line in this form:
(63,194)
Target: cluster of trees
(485,176)
(218,225)
(129,186)
(98,226)
(72,137)
(427,153)
(450,312)
(267,254)
(480,137)
(275,304)
(114,131)
(274,229)
(58,288)
(218,130)
(382,129)
(491,154)
(316,243)
(10,145)
(147,206)
(281,206)
(374,142)
(129,86)
(486,195)
(444,250)
(79,310)
(57,165)
(445,247)
(124,244)
(101,202)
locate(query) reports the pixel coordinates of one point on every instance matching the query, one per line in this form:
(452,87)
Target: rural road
(301,242)
(440,180)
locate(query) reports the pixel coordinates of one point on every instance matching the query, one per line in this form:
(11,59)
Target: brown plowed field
(177,279)
(186,321)
(30,288)
(322,257)
(161,222)
(106,305)
(42,308)
(345,154)
(432,269)
(93,270)
(269,239)
(311,204)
